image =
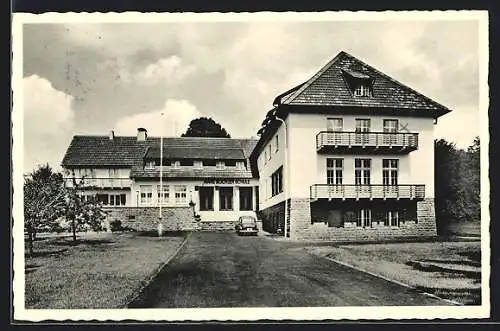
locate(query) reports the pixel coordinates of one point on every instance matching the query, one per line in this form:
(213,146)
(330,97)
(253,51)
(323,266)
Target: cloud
(170,70)
(48,122)
(177,114)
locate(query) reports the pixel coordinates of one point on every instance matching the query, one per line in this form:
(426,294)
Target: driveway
(224,270)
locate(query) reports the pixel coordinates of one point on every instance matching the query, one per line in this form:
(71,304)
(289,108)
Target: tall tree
(205,127)
(43,200)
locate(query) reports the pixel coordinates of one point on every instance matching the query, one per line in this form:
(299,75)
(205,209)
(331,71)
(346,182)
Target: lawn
(104,270)
(450,270)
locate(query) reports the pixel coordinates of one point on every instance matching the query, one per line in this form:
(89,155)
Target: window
(198,164)
(246,198)
(265,156)
(269,151)
(113,173)
(103,198)
(364,218)
(209,163)
(206,198)
(277,182)
(176,164)
(149,165)
(362,90)
(277,145)
(362,130)
(391,218)
(390,171)
(146,192)
(334,171)
(225,198)
(334,124)
(390,130)
(163,197)
(117,199)
(180,194)
(186,163)
(362,171)
(240,165)
(230,163)
(220,165)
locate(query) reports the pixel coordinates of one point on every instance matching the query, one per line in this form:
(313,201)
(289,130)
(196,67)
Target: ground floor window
(392,218)
(163,197)
(225,198)
(206,198)
(110,199)
(146,192)
(180,194)
(364,218)
(246,198)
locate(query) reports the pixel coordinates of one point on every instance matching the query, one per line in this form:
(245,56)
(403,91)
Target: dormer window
(360,84)
(149,165)
(363,90)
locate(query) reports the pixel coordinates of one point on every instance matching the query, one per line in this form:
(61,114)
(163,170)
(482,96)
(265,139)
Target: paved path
(224,270)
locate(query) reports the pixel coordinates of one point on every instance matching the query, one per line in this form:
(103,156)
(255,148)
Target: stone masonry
(303,229)
(146,218)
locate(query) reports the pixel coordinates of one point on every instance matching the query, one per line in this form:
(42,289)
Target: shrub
(116,225)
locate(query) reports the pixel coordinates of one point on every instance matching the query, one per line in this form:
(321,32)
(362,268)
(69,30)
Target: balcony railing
(325,191)
(101,183)
(397,142)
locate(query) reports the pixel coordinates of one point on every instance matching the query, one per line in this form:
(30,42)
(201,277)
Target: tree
(205,127)
(80,211)
(43,201)
(457,183)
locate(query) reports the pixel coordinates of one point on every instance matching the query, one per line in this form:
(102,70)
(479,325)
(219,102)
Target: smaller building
(210,178)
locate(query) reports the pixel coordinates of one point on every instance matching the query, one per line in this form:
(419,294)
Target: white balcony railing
(325,191)
(402,140)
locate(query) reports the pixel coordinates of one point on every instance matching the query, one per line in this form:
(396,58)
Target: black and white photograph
(275,166)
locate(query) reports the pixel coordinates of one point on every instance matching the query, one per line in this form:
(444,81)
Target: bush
(116,225)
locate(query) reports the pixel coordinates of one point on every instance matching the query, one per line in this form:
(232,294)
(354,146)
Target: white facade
(308,167)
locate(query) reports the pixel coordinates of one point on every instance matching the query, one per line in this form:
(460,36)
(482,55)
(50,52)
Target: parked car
(246,225)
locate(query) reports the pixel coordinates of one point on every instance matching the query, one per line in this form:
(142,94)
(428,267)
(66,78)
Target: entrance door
(334,218)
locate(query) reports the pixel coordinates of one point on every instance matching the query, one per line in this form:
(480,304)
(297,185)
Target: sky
(95,77)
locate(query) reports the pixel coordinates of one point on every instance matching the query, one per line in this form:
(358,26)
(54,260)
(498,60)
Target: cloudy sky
(91,78)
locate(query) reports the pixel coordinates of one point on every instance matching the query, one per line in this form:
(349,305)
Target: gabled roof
(100,151)
(328,87)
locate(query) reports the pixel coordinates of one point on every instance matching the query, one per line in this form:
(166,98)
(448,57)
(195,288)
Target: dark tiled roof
(196,153)
(328,88)
(139,172)
(100,151)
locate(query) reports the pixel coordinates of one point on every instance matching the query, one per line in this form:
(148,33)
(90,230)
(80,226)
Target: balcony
(377,142)
(325,191)
(100,183)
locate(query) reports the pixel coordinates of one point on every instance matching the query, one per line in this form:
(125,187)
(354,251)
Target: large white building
(346,155)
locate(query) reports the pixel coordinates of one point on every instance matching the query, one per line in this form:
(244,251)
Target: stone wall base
(302,228)
(146,218)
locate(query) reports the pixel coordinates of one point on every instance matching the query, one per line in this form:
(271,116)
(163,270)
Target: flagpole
(160,226)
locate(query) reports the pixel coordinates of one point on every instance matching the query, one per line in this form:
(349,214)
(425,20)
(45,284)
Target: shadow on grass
(472,255)
(466,296)
(45,253)
(89,242)
(164,234)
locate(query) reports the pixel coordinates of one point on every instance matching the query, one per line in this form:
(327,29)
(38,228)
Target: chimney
(111,135)
(141,134)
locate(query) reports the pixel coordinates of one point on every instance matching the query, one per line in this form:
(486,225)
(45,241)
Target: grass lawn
(397,261)
(104,270)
